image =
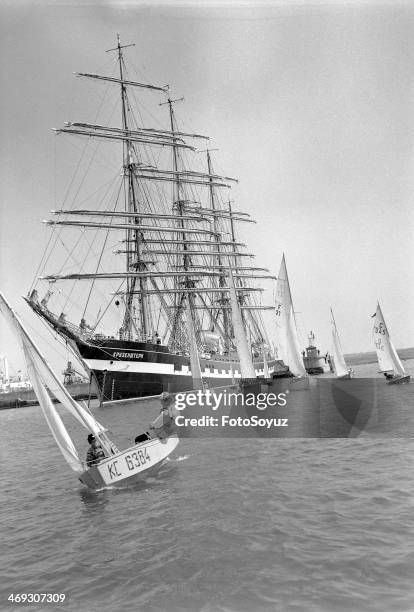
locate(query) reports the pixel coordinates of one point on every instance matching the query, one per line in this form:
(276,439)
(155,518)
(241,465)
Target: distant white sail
(388,359)
(287,334)
(341,369)
(245,354)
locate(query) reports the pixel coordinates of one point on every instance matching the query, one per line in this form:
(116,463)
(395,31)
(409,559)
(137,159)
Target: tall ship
(141,246)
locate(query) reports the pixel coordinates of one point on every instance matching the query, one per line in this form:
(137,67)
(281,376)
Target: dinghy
(341,369)
(118,468)
(388,360)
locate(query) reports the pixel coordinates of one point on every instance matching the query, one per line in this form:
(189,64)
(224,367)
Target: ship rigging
(149,253)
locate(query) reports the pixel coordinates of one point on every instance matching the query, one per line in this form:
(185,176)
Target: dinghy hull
(399,380)
(129,466)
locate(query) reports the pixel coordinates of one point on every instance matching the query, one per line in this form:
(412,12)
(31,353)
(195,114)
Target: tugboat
(314,362)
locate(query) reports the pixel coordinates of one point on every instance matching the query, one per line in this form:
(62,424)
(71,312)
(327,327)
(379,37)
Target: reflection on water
(93,501)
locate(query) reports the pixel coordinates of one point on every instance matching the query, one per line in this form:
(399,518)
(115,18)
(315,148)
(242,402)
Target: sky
(311,107)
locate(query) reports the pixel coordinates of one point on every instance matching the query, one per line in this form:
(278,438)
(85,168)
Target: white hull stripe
(148,367)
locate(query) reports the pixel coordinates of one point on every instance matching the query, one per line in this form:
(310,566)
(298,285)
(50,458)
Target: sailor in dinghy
(163,424)
(95,451)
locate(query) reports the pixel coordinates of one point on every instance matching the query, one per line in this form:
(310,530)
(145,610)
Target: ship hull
(315,363)
(317,369)
(126,369)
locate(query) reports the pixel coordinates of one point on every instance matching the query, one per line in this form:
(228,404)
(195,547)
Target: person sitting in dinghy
(162,426)
(95,452)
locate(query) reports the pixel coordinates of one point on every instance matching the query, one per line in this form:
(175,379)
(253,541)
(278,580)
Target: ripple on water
(278,525)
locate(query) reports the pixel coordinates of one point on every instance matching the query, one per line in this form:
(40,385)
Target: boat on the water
(286,328)
(338,361)
(117,468)
(12,383)
(17,391)
(314,362)
(389,362)
(147,248)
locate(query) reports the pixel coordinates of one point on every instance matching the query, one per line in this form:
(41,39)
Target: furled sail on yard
(243,349)
(194,358)
(287,334)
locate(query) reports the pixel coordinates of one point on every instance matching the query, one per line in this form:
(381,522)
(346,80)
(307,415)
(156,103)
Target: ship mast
(178,205)
(133,237)
(191,274)
(242,297)
(223,300)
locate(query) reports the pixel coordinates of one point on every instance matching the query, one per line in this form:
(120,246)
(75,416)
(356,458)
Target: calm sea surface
(251,524)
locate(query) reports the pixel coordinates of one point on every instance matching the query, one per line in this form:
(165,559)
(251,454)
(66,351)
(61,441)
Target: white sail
(341,369)
(294,355)
(194,358)
(287,334)
(52,417)
(51,381)
(245,355)
(388,359)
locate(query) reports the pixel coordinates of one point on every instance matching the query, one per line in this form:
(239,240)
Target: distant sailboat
(341,369)
(118,467)
(388,360)
(286,324)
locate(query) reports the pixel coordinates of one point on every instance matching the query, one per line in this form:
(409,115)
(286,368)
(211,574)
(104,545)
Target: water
(286,525)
